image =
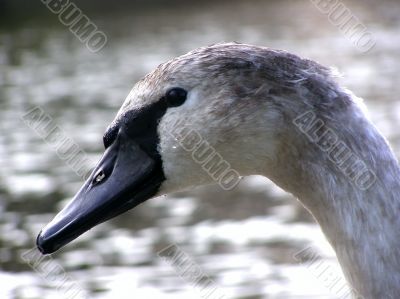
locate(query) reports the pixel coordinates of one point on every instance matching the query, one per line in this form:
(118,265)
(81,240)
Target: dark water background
(243,240)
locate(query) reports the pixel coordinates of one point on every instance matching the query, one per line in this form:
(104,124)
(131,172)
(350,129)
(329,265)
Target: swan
(259,111)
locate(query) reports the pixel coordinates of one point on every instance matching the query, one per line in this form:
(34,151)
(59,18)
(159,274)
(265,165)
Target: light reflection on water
(244,240)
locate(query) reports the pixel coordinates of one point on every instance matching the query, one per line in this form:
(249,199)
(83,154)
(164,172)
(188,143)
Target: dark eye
(175,96)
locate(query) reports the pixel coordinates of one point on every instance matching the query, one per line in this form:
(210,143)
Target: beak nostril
(99,177)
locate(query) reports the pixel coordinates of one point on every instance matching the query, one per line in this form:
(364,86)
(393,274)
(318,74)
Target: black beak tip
(43,245)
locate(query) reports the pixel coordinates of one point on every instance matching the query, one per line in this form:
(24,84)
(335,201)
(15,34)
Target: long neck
(355,200)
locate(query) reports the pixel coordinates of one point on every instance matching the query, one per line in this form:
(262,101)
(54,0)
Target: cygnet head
(210,116)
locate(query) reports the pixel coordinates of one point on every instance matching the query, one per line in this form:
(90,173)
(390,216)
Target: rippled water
(244,241)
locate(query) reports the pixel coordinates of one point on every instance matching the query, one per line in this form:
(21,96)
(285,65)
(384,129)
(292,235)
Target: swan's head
(209,116)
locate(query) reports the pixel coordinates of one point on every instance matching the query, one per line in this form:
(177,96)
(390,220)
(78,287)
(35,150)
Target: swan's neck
(357,207)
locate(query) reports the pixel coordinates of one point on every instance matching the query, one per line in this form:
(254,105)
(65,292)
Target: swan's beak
(124,177)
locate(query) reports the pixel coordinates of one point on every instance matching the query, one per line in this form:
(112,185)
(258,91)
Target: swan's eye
(175,96)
